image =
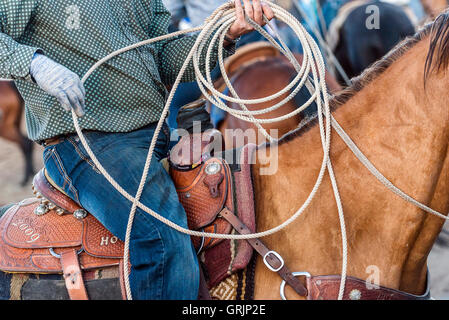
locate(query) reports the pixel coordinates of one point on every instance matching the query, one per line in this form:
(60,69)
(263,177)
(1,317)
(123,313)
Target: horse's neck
(404,132)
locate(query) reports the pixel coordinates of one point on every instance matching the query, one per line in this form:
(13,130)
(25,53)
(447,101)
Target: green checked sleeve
(173,53)
(15,58)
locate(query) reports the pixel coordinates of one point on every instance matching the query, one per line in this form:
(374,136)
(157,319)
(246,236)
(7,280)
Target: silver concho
(355,295)
(80,214)
(41,209)
(213,168)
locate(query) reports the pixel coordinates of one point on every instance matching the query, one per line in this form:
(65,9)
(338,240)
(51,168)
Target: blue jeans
(164,262)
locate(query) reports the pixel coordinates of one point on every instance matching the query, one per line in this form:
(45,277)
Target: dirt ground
(11,171)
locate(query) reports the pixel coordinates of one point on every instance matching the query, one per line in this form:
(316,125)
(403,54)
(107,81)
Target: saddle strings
(214,29)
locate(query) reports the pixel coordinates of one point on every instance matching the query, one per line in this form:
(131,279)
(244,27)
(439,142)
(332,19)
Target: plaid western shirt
(126,93)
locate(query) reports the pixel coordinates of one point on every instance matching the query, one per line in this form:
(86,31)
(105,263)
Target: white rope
(214,30)
(219,22)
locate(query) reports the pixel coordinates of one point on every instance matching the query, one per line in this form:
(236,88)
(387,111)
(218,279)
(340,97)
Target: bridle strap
(271,258)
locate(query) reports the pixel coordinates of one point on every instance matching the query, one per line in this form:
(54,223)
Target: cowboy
(45,46)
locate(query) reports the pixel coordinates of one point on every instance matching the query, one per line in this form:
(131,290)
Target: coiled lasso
(212,31)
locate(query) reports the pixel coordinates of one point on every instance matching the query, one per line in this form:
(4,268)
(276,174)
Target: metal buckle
(58,256)
(277,255)
(296,274)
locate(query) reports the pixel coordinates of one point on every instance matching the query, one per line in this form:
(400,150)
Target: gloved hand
(59,82)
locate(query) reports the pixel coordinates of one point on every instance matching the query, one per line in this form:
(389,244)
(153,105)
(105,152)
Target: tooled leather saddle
(53,234)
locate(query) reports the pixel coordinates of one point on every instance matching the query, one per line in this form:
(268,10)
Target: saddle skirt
(51,234)
(37,233)
(32,243)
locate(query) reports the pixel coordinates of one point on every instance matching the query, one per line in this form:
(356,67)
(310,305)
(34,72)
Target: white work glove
(59,82)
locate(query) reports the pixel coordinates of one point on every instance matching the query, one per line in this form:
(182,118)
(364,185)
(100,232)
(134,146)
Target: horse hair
(439,45)
(437,60)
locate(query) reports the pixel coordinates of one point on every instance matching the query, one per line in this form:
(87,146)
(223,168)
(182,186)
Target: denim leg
(164,263)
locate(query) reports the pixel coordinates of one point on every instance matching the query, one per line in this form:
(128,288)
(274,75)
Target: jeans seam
(47,154)
(83,157)
(64,174)
(162,265)
(59,169)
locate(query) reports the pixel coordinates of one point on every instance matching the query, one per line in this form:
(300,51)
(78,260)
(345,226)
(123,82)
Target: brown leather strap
(73,275)
(327,288)
(203,292)
(271,258)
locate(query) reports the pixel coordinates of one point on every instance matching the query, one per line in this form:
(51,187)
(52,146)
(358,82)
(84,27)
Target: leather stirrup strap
(270,257)
(203,291)
(73,275)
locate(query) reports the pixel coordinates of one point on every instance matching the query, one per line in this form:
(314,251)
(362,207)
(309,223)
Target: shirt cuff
(21,62)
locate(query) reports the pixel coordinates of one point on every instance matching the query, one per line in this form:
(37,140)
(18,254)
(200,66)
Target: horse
(397,113)
(358,40)
(11,107)
(248,76)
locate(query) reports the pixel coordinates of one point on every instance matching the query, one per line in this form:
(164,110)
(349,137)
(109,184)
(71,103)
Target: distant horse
(11,111)
(357,41)
(261,77)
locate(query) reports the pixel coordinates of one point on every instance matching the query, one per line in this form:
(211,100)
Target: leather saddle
(53,234)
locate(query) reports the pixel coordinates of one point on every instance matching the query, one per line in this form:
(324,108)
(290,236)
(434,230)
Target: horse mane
(437,60)
(439,45)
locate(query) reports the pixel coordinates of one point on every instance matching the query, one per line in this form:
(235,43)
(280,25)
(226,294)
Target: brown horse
(261,78)
(11,108)
(401,123)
